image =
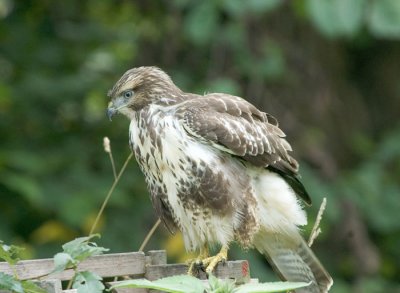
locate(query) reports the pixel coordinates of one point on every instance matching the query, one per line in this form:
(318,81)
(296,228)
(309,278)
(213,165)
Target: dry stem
(109,194)
(316,230)
(107,149)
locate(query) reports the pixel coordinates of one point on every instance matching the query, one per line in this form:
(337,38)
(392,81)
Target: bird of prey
(219,170)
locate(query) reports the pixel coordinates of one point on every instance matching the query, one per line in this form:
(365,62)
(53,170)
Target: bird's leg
(204,254)
(211,262)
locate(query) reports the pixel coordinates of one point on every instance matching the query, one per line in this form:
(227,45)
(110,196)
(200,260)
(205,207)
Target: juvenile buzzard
(219,170)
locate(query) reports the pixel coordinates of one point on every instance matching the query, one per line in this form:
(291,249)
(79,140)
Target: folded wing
(233,125)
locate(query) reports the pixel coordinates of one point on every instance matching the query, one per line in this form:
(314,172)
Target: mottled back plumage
(219,170)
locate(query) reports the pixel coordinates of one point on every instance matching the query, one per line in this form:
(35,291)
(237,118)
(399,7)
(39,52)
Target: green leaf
(10,253)
(138,283)
(201,23)
(63,261)
(75,245)
(8,282)
(270,287)
(184,282)
(80,248)
(175,284)
(88,282)
(338,17)
(349,16)
(384,20)
(321,15)
(30,287)
(220,286)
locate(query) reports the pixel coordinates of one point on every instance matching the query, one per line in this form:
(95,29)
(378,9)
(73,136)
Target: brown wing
(235,126)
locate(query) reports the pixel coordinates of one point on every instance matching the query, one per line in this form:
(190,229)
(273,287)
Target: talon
(213,261)
(196,263)
(194,266)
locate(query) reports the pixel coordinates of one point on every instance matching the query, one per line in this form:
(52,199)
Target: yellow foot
(194,264)
(211,262)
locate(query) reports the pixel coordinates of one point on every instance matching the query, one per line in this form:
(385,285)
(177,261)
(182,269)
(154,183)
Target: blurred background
(328,70)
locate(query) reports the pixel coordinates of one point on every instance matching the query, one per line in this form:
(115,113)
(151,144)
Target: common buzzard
(219,170)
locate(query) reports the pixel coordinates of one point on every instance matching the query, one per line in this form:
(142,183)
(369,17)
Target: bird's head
(140,87)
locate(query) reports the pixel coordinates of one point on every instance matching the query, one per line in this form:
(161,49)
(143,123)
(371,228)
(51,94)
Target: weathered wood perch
(136,265)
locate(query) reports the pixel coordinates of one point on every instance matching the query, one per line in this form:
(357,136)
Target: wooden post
(51,286)
(156,257)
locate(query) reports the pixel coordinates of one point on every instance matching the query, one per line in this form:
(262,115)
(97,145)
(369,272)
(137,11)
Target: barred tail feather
(293,260)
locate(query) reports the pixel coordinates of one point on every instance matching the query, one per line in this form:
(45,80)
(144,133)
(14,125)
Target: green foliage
(88,282)
(200,29)
(270,287)
(11,254)
(73,253)
(218,285)
(176,284)
(374,185)
(81,248)
(63,261)
(76,251)
(189,284)
(8,282)
(31,287)
(336,18)
(384,19)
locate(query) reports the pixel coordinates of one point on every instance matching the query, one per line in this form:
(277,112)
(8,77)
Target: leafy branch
(75,252)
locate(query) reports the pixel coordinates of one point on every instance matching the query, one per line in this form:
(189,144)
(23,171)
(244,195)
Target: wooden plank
(107,265)
(238,270)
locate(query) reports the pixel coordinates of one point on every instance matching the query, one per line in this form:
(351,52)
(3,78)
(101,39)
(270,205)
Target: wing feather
(233,125)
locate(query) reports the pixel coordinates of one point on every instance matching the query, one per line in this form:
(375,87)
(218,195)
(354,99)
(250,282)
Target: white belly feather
(216,229)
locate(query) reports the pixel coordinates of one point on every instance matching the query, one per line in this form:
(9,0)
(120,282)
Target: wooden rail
(134,265)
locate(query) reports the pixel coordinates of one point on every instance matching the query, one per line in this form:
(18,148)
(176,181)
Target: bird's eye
(128,94)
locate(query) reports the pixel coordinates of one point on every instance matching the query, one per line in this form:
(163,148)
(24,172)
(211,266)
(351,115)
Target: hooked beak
(111,110)
(115,106)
